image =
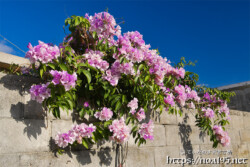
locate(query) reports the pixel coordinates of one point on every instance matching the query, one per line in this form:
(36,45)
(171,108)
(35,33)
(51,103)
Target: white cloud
(5,48)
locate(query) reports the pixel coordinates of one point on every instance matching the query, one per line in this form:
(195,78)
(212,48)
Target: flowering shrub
(120,78)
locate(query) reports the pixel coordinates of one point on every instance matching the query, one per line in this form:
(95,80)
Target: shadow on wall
(103,156)
(184,132)
(31,114)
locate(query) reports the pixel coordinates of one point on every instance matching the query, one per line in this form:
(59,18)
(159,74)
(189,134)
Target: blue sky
(215,33)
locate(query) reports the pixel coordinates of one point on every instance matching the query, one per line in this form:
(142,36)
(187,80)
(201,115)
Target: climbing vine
(117,78)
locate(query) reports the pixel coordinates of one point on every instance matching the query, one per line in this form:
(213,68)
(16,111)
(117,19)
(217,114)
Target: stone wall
(241,101)
(27,132)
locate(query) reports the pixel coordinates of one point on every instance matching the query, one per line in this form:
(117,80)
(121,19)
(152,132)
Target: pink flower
(86,104)
(39,92)
(104,25)
(105,114)
(83,130)
(132,112)
(169,99)
(192,94)
(182,96)
(140,115)
(121,132)
(68,80)
(114,74)
(77,133)
(133,105)
(63,77)
(113,79)
(221,135)
(56,76)
(43,52)
(146,130)
(209,113)
(94,59)
(181,72)
(63,139)
(224,108)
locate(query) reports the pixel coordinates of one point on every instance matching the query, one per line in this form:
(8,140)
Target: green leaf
(94,34)
(147,78)
(107,123)
(124,99)
(41,72)
(63,67)
(56,112)
(140,67)
(100,42)
(85,144)
(118,106)
(117,97)
(70,103)
(51,65)
(87,74)
(128,120)
(134,129)
(82,65)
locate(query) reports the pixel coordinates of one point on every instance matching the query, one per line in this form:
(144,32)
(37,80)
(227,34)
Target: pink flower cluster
(210,98)
(169,99)
(133,105)
(43,52)
(95,59)
(130,46)
(104,25)
(185,94)
(209,113)
(75,134)
(121,132)
(146,130)
(114,74)
(39,92)
(222,108)
(161,67)
(63,77)
(105,114)
(221,135)
(140,115)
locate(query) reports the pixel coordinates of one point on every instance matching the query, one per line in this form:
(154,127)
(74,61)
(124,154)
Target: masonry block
(245,136)
(161,153)
(48,159)
(23,136)
(11,100)
(142,157)
(9,160)
(173,137)
(236,122)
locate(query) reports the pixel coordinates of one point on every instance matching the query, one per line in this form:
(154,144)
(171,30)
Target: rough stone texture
(11,100)
(173,137)
(9,160)
(142,157)
(245,136)
(27,133)
(23,136)
(7,59)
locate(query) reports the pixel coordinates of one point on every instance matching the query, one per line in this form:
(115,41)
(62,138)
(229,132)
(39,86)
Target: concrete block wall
(27,132)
